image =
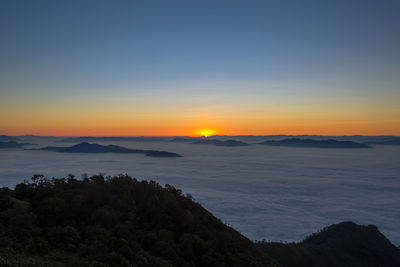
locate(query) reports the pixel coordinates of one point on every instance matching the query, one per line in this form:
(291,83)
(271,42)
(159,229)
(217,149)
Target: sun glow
(206,132)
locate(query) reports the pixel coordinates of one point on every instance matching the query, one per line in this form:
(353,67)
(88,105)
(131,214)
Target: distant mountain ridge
(243,138)
(6,138)
(184,139)
(192,140)
(96,148)
(215,142)
(13,144)
(392,142)
(111,139)
(330,143)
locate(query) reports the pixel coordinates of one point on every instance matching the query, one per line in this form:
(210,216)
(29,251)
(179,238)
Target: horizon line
(216,135)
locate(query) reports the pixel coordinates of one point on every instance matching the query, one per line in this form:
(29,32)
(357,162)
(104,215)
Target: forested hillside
(118,221)
(340,245)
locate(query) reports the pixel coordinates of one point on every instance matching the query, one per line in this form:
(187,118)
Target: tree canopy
(114,221)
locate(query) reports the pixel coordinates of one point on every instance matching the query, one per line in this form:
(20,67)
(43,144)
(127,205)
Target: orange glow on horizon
(330,129)
(206,132)
(39,114)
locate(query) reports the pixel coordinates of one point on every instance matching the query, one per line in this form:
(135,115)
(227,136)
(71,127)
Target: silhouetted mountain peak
(86,147)
(4,138)
(13,144)
(216,142)
(329,143)
(390,142)
(342,244)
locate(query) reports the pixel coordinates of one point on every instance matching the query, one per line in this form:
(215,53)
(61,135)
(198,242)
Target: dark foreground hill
(341,245)
(330,143)
(115,221)
(96,148)
(120,221)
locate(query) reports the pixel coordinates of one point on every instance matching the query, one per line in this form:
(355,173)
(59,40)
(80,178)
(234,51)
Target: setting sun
(206,132)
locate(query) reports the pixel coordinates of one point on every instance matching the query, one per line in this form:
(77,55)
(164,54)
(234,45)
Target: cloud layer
(275,193)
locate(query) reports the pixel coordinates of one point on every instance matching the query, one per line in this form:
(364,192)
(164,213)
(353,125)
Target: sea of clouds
(272,193)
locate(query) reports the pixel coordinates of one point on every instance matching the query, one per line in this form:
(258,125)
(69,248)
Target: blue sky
(71,50)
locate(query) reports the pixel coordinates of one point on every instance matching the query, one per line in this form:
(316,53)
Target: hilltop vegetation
(340,245)
(118,221)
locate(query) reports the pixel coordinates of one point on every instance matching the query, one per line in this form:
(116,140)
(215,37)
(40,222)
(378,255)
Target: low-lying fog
(276,193)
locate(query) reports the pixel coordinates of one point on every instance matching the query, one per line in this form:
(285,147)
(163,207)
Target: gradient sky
(173,67)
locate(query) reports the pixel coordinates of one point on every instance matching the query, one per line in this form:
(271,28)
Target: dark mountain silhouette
(49,148)
(111,139)
(35,136)
(393,142)
(215,142)
(119,221)
(10,144)
(31,135)
(6,138)
(185,139)
(341,245)
(330,143)
(354,138)
(13,144)
(127,139)
(96,148)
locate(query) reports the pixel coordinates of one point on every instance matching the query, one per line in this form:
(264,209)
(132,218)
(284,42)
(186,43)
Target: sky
(155,68)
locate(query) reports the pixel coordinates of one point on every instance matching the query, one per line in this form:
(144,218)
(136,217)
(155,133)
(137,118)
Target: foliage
(339,245)
(114,221)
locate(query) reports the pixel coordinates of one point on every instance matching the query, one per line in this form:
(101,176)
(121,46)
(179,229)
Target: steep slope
(115,221)
(341,245)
